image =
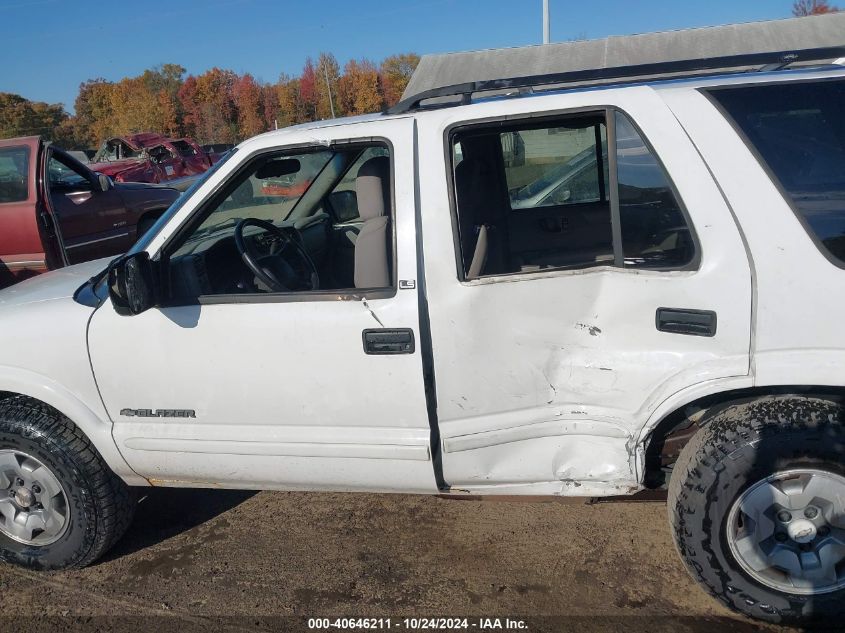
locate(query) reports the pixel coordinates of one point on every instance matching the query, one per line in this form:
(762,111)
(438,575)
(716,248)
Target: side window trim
(613,171)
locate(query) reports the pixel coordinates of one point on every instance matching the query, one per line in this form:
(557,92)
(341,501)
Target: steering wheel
(273,268)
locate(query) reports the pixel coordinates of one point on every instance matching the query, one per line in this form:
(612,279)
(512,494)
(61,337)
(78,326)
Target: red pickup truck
(150,157)
(55,211)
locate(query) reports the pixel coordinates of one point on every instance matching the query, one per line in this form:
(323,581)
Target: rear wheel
(757,505)
(60,504)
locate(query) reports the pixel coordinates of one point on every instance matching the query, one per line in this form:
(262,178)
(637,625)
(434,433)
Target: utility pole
(546,26)
(329,86)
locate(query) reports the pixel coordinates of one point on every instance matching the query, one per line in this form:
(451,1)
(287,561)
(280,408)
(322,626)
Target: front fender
(98,430)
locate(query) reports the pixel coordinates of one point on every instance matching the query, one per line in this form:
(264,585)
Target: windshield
(115,150)
(144,241)
(269,191)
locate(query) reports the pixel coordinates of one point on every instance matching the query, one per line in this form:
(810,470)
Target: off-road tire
(101,505)
(738,446)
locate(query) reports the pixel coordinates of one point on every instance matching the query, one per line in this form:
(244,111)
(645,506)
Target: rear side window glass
(62,175)
(655,233)
(14,174)
(547,167)
(798,131)
(538,196)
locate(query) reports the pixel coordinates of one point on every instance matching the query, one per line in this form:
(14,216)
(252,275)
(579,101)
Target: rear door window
(14,174)
(535,196)
(655,233)
(798,132)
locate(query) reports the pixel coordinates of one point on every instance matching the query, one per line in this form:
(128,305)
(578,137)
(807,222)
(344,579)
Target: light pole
(328,86)
(546,27)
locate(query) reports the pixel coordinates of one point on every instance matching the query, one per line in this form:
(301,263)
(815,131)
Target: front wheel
(60,504)
(757,506)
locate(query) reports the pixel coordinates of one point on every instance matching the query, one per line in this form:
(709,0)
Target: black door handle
(682,321)
(385,341)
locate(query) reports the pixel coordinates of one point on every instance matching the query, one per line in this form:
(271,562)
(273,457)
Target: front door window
(270,229)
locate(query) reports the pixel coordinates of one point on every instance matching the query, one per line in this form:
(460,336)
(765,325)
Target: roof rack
(654,71)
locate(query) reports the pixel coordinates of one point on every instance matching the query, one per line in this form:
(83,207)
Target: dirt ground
(223,560)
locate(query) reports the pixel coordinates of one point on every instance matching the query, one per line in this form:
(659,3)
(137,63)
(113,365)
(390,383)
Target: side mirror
(105,183)
(345,205)
(132,284)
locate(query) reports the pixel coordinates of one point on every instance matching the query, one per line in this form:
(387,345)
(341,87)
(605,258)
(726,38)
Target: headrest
(373,188)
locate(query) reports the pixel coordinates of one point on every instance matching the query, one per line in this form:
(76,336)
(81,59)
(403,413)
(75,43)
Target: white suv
(585,292)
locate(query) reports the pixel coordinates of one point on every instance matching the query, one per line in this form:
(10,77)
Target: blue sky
(49,47)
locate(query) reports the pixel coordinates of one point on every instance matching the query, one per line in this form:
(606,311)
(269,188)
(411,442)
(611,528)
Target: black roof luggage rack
(598,76)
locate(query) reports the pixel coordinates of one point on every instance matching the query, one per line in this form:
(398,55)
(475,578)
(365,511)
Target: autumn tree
(135,106)
(22,117)
(249,103)
(218,114)
(812,7)
(165,81)
(270,106)
(308,91)
(167,106)
(396,72)
(359,89)
(291,105)
(94,118)
(190,106)
(217,105)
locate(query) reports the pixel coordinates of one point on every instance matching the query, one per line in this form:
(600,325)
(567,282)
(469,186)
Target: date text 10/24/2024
(431,624)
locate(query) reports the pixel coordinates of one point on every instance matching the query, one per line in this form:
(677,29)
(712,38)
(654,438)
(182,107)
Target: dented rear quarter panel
(796,340)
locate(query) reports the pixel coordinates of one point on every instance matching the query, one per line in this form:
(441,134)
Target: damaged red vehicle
(150,157)
(55,211)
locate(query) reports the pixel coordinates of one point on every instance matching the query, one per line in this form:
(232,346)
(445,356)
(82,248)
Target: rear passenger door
(609,277)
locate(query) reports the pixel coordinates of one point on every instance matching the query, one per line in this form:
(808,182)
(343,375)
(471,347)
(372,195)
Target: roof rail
(652,71)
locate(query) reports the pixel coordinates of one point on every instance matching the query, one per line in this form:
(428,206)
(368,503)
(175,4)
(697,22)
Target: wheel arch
(662,441)
(149,216)
(22,382)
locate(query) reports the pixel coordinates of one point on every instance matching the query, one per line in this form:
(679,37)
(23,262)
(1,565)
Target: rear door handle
(388,341)
(683,321)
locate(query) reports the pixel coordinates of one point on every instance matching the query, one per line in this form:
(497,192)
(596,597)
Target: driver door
(277,390)
(92,222)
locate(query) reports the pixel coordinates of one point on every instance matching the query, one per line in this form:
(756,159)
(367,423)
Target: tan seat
(372,247)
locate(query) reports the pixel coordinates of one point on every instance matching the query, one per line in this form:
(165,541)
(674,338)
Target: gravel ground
(225,560)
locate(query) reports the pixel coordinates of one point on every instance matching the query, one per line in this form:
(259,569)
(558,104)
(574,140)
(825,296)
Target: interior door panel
(560,236)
